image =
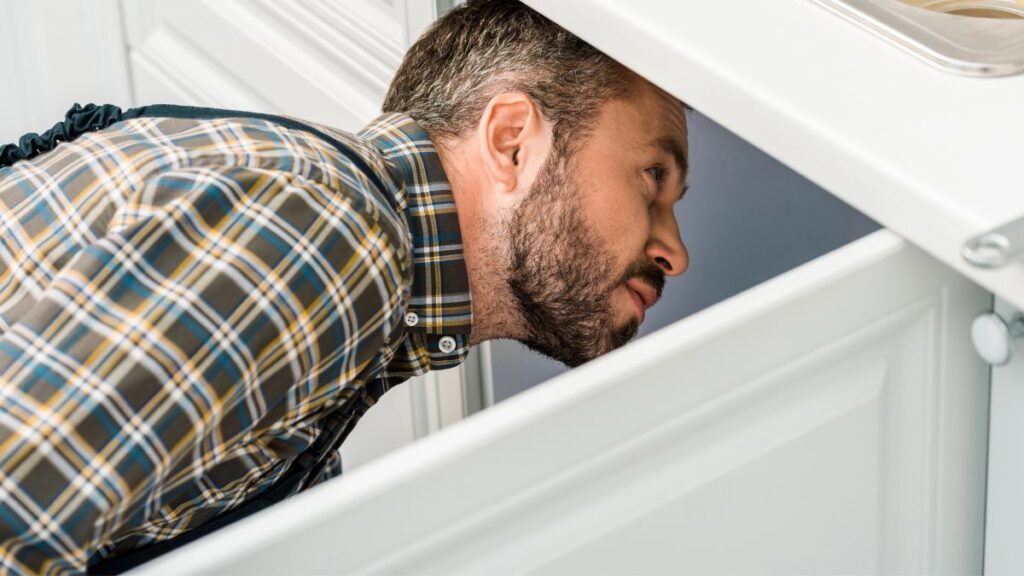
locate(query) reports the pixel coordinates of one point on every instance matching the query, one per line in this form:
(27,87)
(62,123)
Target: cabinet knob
(995,339)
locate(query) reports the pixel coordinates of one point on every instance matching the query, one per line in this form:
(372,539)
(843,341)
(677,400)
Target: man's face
(594,238)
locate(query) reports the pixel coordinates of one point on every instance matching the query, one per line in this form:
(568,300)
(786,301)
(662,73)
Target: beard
(560,274)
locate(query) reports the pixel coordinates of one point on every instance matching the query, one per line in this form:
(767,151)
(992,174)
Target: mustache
(647,272)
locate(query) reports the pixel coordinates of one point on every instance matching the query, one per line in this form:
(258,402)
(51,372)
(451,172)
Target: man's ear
(514,140)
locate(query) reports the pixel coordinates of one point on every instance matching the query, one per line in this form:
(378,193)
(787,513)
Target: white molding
(337,35)
(425,402)
(256,48)
(1005,518)
(450,407)
(168,70)
(292,67)
(436,400)
(475,380)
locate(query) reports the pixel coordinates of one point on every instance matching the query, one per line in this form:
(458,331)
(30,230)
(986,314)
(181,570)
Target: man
(188,304)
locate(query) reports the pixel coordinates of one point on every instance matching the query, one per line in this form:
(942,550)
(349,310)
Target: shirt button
(446,344)
(411,319)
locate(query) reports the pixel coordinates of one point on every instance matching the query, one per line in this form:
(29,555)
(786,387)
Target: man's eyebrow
(673,148)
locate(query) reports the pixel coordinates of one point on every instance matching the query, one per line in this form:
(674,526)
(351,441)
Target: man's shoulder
(322,156)
(307,149)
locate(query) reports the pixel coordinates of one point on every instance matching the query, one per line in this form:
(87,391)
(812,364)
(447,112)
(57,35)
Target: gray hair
(486,47)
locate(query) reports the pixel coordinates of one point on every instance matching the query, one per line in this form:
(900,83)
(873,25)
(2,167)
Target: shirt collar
(440,296)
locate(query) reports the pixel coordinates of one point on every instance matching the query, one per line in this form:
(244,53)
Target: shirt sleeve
(220,304)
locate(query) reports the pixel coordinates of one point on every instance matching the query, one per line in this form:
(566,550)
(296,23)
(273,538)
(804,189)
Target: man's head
(565,168)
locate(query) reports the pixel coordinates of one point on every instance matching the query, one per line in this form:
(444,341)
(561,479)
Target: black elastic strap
(77,121)
(82,119)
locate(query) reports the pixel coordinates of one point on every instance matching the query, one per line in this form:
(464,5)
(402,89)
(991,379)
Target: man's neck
(496,312)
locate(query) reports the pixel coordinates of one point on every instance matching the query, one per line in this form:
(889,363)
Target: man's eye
(658,173)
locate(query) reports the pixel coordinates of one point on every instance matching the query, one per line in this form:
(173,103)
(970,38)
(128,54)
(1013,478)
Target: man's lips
(638,301)
(647,294)
(643,296)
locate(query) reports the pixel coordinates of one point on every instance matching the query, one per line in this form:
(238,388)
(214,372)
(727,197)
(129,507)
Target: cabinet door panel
(1005,509)
(831,420)
(317,60)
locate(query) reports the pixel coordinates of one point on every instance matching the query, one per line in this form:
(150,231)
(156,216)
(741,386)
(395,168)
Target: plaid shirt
(183,301)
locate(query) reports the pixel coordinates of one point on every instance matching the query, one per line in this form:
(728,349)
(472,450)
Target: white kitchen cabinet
(831,420)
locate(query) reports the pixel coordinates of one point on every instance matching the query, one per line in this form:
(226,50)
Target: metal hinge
(996,248)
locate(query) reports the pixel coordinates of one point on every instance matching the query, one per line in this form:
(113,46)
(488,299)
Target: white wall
(56,53)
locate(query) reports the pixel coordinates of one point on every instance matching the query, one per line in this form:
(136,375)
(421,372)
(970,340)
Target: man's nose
(666,248)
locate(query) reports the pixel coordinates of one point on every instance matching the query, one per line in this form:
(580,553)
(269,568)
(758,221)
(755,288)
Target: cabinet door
(325,61)
(831,420)
(1005,508)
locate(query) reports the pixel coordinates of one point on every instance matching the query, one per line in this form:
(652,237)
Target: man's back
(181,303)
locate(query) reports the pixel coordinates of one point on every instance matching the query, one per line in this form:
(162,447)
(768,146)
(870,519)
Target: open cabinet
(830,420)
(833,419)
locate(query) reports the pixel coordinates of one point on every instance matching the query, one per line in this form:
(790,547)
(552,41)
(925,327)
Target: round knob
(994,339)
